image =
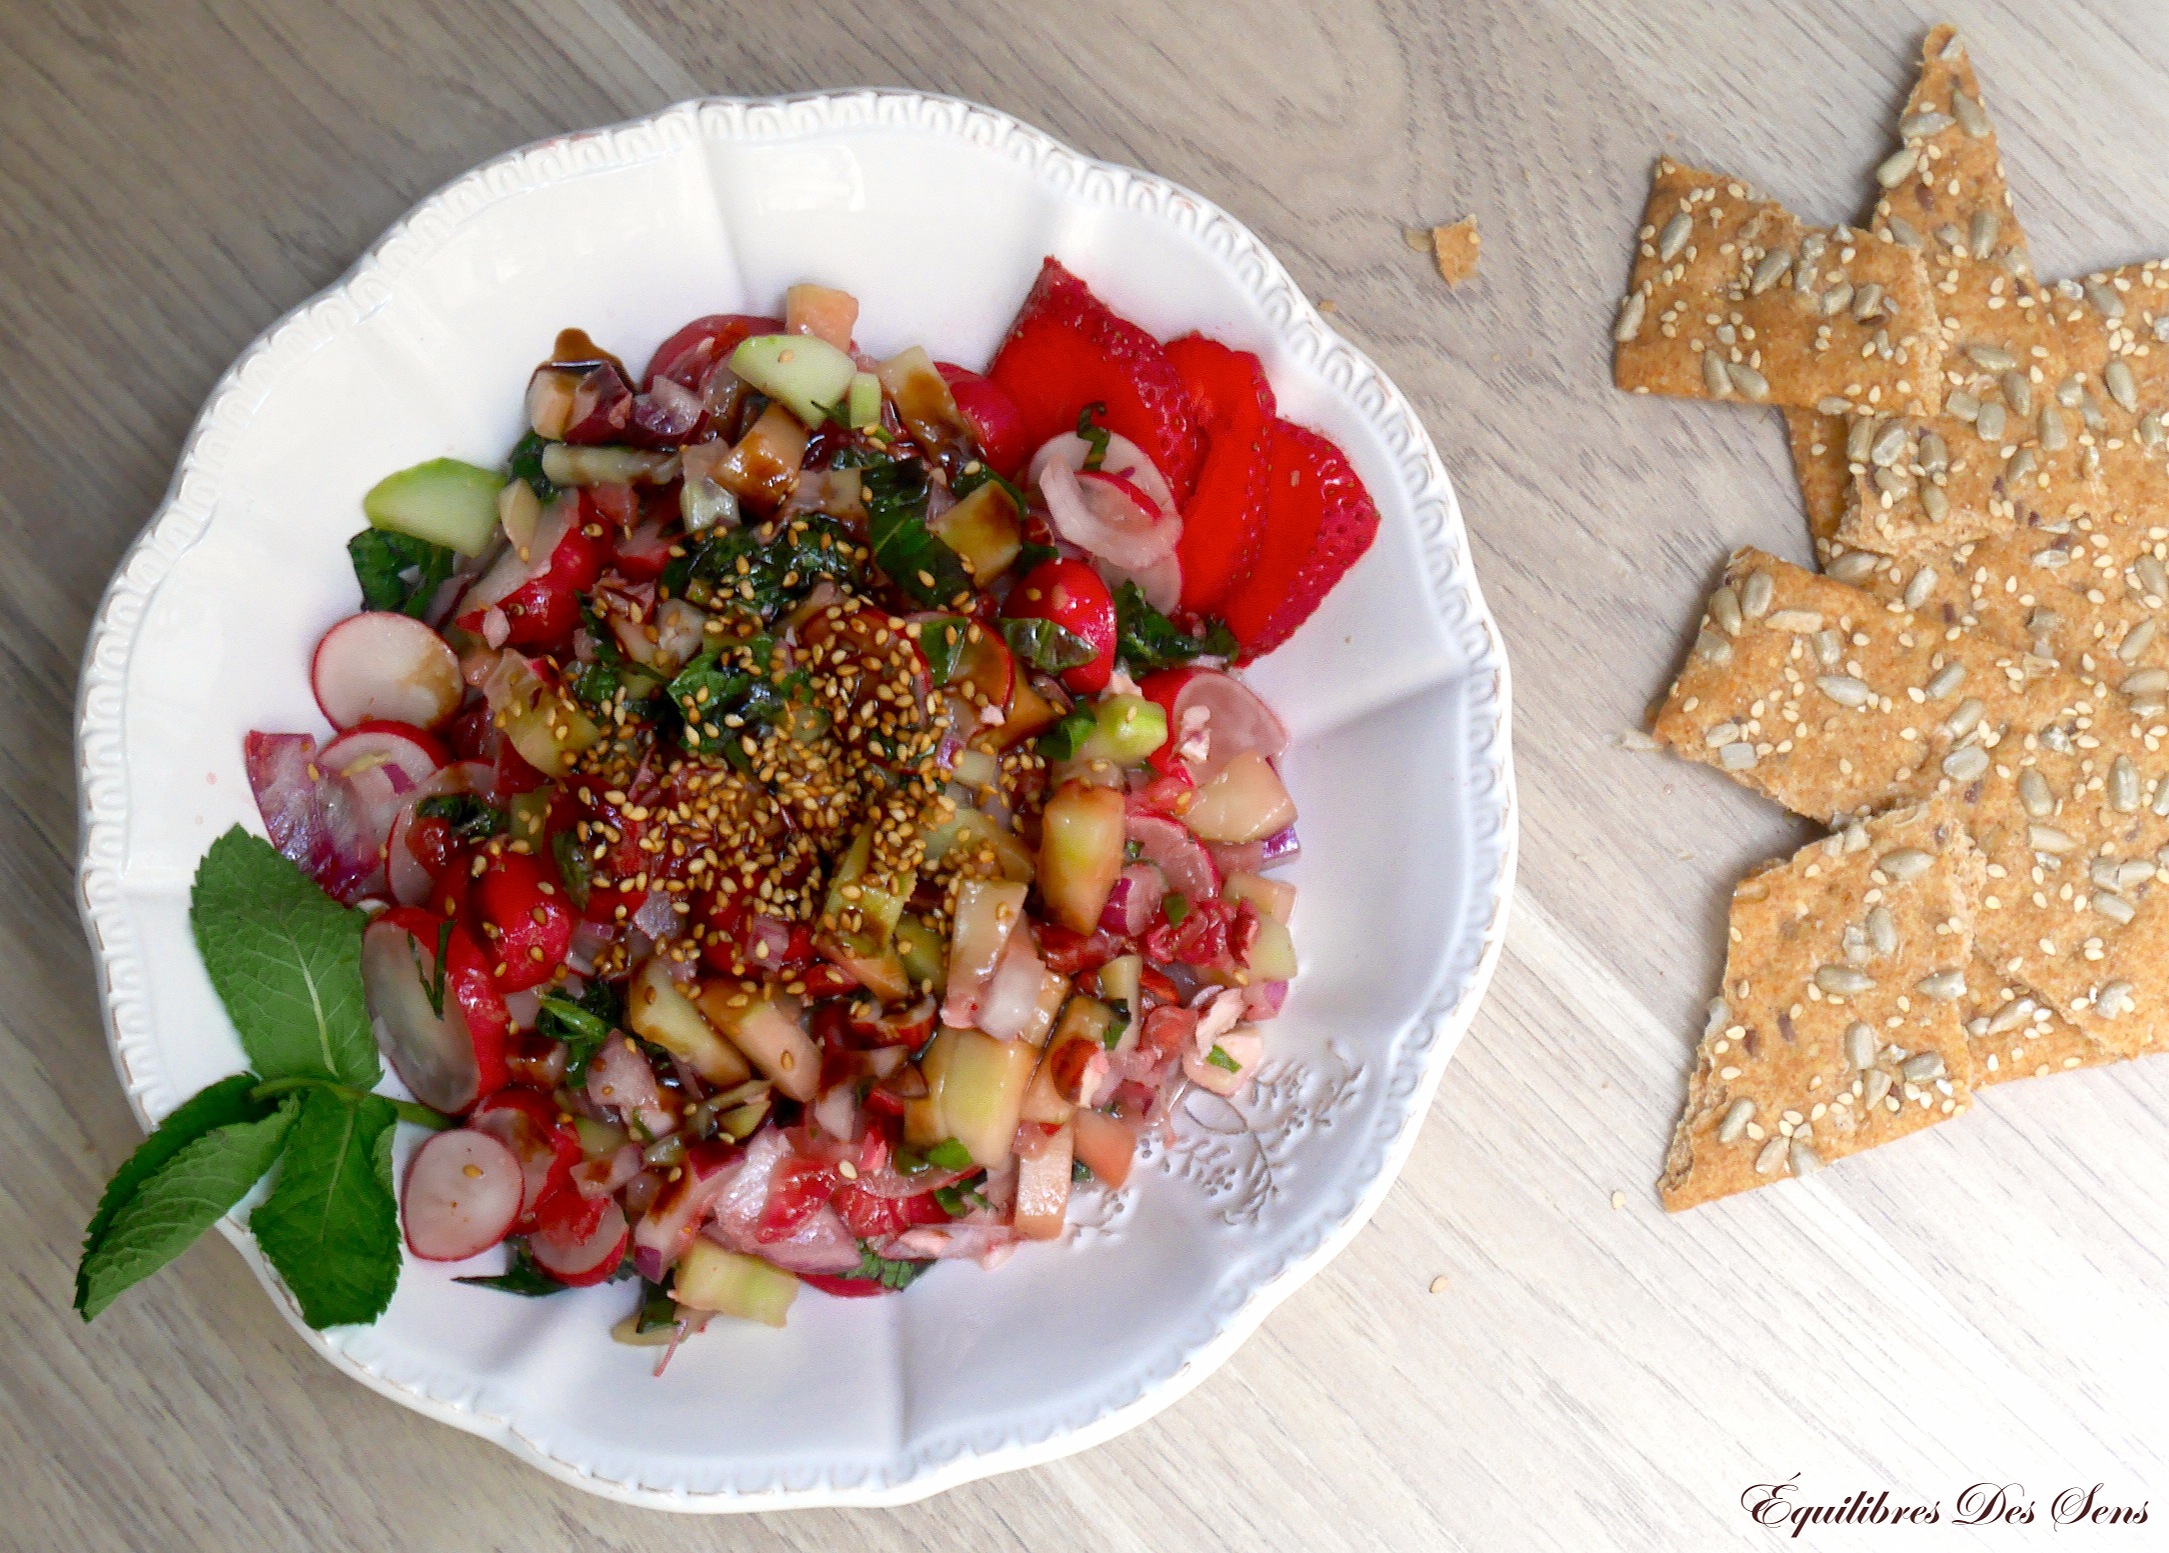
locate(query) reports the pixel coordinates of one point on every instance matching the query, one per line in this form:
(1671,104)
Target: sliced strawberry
(1224,519)
(1074,597)
(997,423)
(1318,522)
(1067,350)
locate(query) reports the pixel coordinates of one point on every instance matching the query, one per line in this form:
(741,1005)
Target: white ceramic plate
(936,214)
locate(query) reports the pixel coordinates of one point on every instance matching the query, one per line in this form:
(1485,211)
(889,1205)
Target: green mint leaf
(331,1225)
(526,464)
(398,572)
(1067,737)
(1219,1058)
(904,547)
(981,474)
(1048,647)
(470,818)
(1031,555)
(224,1103)
(1079,1171)
(573,867)
(286,960)
(1095,435)
(584,1026)
(942,641)
(1148,641)
(175,1202)
(521,1276)
(784,561)
(889,1272)
(1176,907)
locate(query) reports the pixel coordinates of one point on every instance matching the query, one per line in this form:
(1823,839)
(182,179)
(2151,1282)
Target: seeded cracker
(1837,1028)
(2007,449)
(1729,300)
(1818,460)
(1836,704)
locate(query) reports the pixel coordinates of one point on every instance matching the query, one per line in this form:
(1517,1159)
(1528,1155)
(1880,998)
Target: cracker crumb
(1619,1200)
(1328,305)
(1454,250)
(1438,1284)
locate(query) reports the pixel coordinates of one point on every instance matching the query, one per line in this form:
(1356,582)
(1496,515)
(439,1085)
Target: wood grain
(1983,1301)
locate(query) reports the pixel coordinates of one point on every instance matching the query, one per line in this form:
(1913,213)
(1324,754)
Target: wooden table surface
(1985,1301)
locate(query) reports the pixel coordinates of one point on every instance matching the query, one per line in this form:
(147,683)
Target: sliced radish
(1102,517)
(1180,856)
(388,763)
(526,1123)
(382,665)
(1134,901)
(428,1048)
(1123,458)
(410,881)
(461,1196)
(1160,583)
(591,1258)
(1212,718)
(515,569)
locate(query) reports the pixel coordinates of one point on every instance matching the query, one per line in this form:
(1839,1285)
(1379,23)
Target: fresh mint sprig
(286,961)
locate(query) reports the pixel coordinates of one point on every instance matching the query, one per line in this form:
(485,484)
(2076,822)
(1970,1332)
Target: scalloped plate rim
(1450,1023)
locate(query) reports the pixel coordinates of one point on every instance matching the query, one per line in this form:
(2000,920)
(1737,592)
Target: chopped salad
(804,806)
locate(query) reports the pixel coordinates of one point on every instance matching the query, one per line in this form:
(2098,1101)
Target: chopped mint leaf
(904,547)
(1046,646)
(521,1276)
(971,479)
(471,818)
(398,572)
(286,960)
(1148,641)
(1094,434)
(583,1025)
(526,464)
(1176,906)
(1219,1058)
(1079,1171)
(165,1205)
(1067,737)
(784,561)
(573,867)
(889,1272)
(942,641)
(331,1223)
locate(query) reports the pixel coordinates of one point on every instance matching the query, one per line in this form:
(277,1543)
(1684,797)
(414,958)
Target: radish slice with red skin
(1160,583)
(1180,856)
(388,763)
(431,1051)
(379,665)
(589,1260)
(1124,459)
(526,1123)
(461,1196)
(1097,516)
(515,569)
(1211,719)
(1135,900)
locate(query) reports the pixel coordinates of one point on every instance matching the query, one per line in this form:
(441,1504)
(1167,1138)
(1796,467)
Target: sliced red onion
(1012,995)
(1104,521)
(657,917)
(1180,857)
(620,1078)
(1254,857)
(1262,1000)
(601,1177)
(1134,901)
(314,817)
(668,410)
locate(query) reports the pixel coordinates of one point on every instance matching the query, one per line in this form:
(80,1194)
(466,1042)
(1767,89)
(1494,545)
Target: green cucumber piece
(1125,729)
(864,407)
(796,370)
(443,501)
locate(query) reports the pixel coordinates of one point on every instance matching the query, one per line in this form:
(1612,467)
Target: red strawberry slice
(1318,522)
(1224,519)
(1066,350)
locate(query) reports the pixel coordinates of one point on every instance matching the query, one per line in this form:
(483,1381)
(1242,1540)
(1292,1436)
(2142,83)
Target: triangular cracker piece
(1836,704)
(1733,298)
(1838,1026)
(1818,461)
(2004,452)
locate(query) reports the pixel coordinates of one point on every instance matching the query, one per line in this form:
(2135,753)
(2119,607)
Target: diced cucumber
(796,370)
(734,1284)
(864,408)
(1080,852)
(877,900)
(1125,729)
(1274,898)
(443,501)
(1085,1018)
(975,832)
(767,1033)
(526,813)
(925,956)
(1272,957)
(982,1093)
(659,1012)
(923,1123)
